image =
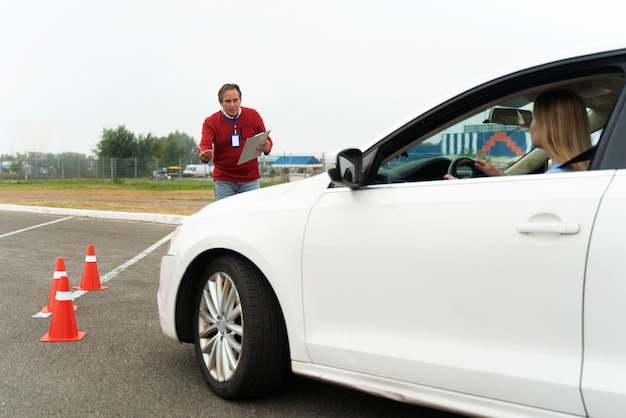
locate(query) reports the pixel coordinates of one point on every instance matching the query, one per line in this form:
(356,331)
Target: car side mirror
(348,170)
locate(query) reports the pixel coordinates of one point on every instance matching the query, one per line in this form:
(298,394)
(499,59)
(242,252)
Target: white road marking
(34,227)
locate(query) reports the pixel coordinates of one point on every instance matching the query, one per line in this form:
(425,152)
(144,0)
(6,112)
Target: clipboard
(249,151)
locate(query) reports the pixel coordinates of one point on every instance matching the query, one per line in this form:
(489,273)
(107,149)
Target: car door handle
(562,228)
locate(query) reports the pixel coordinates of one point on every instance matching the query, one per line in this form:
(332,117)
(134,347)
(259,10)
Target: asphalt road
(124,366)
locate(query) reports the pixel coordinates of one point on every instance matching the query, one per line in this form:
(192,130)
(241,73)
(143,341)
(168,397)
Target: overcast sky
(323,74)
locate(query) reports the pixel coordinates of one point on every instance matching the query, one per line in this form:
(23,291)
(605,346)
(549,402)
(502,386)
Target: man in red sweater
(224,134)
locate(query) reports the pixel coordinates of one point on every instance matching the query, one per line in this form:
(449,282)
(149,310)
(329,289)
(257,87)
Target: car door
(474,286)
(604,370)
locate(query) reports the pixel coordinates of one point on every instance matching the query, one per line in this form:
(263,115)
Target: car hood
(250,201)
(243,223)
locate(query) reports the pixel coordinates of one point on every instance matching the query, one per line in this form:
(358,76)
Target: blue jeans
(225,189)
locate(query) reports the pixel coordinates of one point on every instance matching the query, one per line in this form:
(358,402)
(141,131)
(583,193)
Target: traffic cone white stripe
(58,274)
(63,296)
(90,259)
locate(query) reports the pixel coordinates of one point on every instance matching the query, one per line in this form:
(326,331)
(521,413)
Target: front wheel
(240,336)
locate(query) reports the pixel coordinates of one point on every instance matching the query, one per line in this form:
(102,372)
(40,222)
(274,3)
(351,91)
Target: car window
(501,140)
(498,133)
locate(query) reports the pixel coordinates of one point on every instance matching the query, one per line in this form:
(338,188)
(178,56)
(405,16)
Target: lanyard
(230,120)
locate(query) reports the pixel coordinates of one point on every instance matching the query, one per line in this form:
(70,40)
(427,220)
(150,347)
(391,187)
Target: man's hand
(206,155)
(265,146)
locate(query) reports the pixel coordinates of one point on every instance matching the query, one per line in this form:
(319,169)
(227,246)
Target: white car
(198,170)
(492,296)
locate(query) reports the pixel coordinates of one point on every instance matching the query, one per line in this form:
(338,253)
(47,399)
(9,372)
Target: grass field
(183,197)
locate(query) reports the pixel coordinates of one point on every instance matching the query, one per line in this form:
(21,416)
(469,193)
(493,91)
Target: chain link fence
(112,170)
(81,168)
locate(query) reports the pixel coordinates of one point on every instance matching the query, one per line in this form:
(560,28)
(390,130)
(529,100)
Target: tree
(149,146)
(117,143)
(180,146)
(121,144)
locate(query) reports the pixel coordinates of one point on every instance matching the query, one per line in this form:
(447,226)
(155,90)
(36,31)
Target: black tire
(240,337)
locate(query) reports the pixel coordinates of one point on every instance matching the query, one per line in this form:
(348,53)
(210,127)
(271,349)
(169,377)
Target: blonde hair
(562,119)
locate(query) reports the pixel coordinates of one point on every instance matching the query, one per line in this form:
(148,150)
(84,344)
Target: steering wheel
(464,162)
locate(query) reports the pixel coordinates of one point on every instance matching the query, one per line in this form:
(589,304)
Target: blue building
(291,161)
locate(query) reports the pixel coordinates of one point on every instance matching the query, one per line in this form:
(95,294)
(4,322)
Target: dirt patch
(183,202)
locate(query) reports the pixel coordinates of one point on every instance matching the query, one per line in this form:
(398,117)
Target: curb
(101,214)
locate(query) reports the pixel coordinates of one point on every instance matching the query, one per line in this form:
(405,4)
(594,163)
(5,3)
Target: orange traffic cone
(91,277)
(58,272)
(63,322)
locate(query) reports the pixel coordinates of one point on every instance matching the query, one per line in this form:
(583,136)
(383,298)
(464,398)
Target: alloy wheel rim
(220,326)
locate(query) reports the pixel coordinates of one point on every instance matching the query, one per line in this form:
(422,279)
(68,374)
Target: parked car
(174,171)
(490,296)
(160,174)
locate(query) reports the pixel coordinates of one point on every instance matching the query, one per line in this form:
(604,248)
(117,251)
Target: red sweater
(217,131)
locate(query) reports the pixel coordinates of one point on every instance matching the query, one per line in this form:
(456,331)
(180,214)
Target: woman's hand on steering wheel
(487,169)
(479,168)
(453,169)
